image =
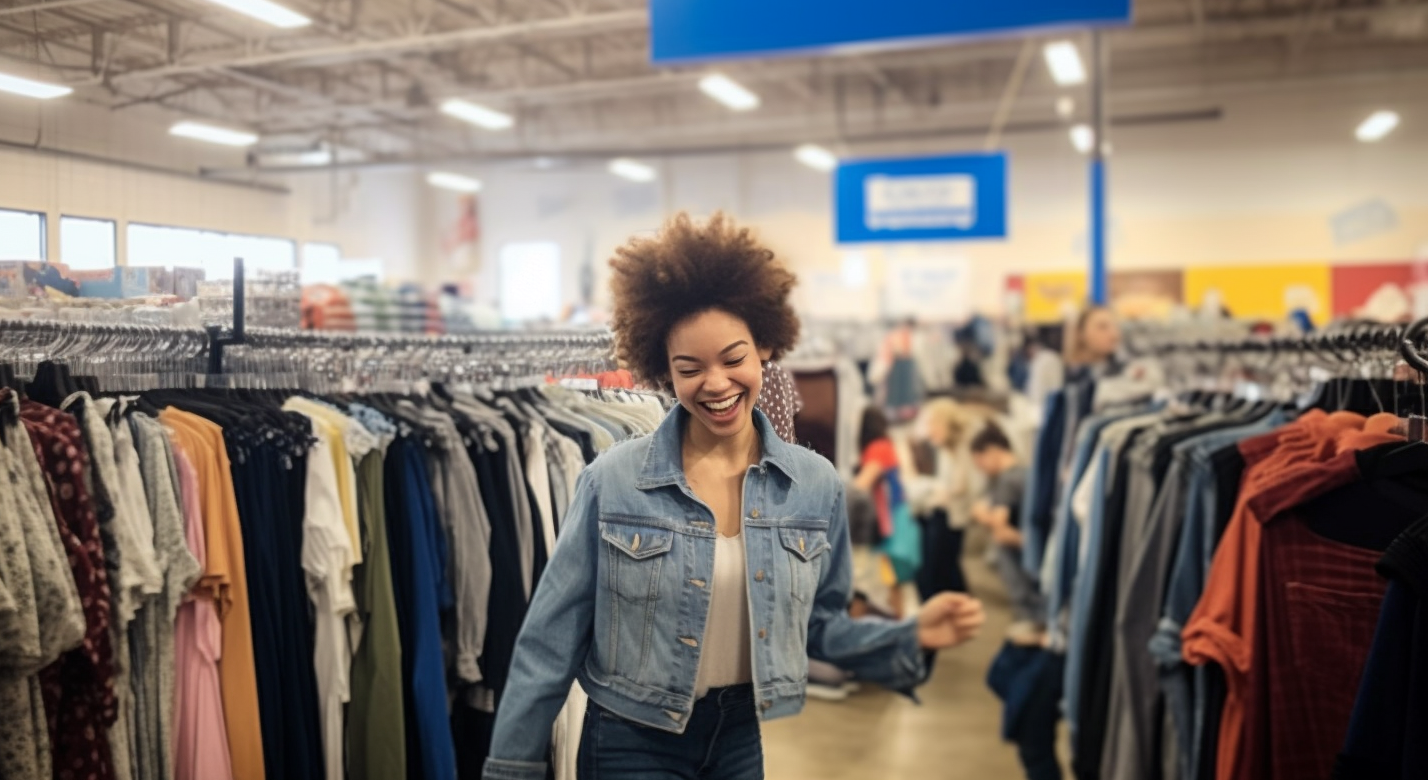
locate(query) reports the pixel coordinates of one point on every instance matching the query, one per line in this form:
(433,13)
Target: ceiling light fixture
(266,11)
(213,134)
(1083,138)
(626,168)
(453,181)
(1378,125)
(1065,63)
(729,92)
(480,116)
(1065,106)
(816,157)
(31,88)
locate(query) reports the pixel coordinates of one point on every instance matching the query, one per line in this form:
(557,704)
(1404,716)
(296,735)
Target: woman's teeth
(723,405)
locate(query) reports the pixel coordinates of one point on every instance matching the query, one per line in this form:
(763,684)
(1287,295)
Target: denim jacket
(623,602)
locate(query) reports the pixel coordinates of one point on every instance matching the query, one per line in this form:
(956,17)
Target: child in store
(900,538)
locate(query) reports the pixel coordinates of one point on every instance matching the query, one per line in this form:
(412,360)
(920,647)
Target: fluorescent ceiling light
(213,134)
(634,171)
(729,92)
(1065,63)
(1378,125)
(481,116)
(1083,138)
(454,182)
(816,157)
(265,11)
(29,88)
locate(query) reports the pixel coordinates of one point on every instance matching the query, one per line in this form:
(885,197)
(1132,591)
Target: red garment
(1321,607)
(78,688)
(883,454)
(1284,469)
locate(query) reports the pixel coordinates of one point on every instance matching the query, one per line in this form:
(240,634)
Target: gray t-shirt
(1006,489)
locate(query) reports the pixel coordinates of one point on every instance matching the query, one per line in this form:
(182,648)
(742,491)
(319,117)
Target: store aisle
(954,735)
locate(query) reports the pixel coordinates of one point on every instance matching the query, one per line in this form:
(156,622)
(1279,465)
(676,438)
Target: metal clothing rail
(1341,341)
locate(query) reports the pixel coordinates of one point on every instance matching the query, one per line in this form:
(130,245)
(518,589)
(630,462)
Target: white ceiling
(369,75)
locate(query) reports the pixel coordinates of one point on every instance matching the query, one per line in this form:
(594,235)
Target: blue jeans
(722,742)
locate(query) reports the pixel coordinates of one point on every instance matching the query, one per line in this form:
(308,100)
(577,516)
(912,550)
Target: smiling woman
(700,568)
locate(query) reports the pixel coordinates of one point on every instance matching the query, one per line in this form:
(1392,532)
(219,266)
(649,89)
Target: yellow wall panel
(1050,296)
(1263,291)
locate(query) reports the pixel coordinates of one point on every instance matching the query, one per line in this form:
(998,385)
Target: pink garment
(200,737)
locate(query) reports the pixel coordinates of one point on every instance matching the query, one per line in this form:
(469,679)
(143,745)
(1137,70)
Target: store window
(22,235)
(156,245)
(88,244)
(321,263)
(530,281)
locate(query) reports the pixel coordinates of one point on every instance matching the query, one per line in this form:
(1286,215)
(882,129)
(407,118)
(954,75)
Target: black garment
(941,556)
(1391,714)
(1094,705)
(1036,740)
(270,484)
(506,610)
(583,438)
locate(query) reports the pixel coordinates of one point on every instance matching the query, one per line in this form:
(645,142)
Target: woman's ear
(765,355)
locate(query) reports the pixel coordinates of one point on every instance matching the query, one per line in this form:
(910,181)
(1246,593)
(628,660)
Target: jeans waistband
(728,696)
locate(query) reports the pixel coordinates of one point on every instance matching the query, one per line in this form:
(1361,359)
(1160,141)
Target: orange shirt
(1286,468)
(225,580)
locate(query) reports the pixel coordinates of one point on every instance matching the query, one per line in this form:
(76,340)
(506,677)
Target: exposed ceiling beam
(40,7)
(569,25)
(927,130)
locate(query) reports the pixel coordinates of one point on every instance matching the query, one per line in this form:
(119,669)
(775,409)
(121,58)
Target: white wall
(1259,186)
(371,214)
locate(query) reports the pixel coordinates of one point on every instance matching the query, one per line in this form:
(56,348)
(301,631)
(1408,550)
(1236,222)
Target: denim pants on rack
(722,742)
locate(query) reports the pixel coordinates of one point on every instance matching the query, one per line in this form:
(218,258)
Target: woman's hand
(949,619)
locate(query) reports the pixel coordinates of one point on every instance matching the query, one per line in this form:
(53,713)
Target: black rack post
(217,340)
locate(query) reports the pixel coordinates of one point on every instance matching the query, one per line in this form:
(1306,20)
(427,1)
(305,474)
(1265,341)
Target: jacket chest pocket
(804,546)
(634,555)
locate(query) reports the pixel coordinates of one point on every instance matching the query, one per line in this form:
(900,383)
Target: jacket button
(763,633)
(760,576)
(754,514)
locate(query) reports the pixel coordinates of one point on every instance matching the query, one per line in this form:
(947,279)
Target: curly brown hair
(689,268)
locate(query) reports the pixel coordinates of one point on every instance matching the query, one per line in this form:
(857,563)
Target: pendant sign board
(706,30)
(922,198)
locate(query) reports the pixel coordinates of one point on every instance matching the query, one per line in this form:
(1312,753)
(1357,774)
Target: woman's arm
(553,643)
(877,650)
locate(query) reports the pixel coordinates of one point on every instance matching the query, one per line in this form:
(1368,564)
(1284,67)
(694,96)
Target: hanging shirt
(226,581)
(200,740)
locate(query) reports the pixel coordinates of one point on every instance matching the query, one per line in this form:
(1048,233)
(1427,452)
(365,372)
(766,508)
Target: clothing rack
(122,349)
(1350,337)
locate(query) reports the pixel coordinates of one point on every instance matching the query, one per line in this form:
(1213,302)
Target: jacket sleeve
(552,644)
(873,649)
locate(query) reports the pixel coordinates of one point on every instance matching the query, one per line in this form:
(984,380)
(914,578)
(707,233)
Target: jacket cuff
(498,769)
(912,664)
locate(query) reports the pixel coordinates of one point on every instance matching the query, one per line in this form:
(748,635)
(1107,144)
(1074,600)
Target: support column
(1097,232)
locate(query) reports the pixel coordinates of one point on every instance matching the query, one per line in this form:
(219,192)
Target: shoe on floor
(827,692)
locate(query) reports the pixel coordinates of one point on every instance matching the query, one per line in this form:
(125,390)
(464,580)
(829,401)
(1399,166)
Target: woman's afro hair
(688,268)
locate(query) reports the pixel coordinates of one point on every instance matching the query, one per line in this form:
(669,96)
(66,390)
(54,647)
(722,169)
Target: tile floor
(954,735)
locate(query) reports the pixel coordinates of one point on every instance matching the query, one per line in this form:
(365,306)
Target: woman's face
(716,370)
(1101,335)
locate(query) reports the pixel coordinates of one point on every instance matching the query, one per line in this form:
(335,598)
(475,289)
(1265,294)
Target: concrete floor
(953,735)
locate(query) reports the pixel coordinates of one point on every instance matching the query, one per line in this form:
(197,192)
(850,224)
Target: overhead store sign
(922,198)
(686,30)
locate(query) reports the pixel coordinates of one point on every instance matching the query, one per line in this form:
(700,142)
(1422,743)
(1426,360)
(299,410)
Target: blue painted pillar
(1097,244)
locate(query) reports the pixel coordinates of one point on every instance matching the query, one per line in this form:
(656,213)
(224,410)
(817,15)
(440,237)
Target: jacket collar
(664,463)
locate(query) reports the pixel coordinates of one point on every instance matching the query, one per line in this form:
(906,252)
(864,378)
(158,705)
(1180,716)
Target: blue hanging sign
(693,30)
(922,198)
